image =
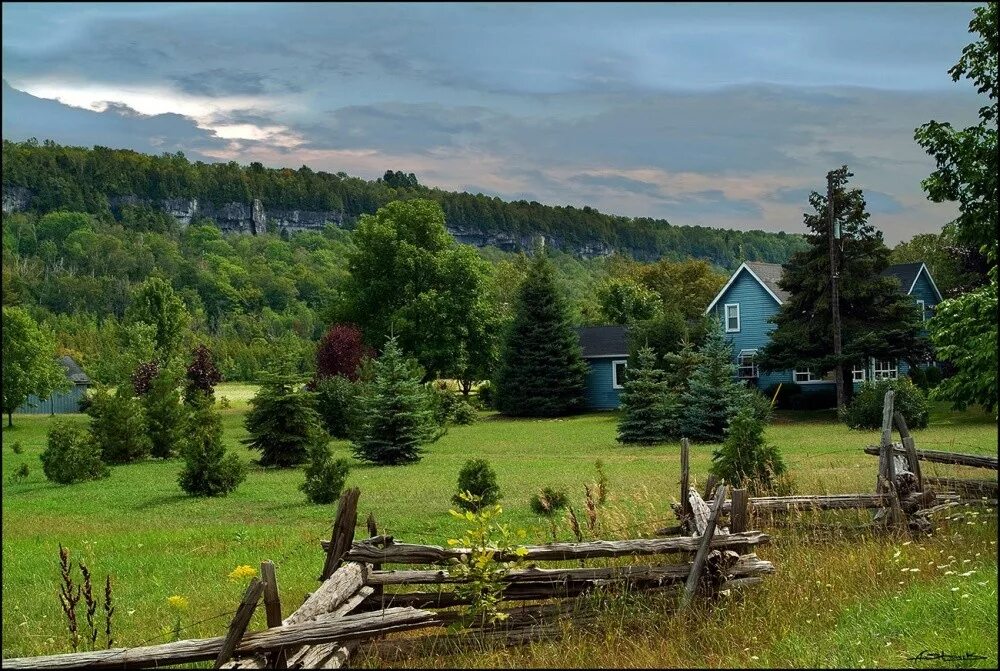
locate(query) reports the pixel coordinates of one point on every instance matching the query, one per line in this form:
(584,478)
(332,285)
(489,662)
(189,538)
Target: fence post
(240,622)
(685,481)
(710,486)
(272,607)
(739,512)
(372,533)
(343,531)
(910,446)
(706,541)
(889,458)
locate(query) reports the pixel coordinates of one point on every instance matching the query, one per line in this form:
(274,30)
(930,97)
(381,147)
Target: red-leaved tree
(202,375)
(340,352)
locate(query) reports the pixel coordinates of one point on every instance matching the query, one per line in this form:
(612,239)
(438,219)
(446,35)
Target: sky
(716,114)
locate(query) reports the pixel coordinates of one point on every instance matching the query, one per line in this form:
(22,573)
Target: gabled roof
(73,370)
(908,274)
(766,274)
(603,341)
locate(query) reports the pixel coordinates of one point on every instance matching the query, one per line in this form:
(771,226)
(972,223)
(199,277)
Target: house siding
(60,402)
(600,395)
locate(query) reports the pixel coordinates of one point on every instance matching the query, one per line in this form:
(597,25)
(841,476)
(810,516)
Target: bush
(478,479)
(786,394)
(21,474)
(549,501)
(283,424)
(225,403)
(208,470)
(325,476)
(165,415)
(745,459)
(71,456)
(934,376)
(919,378)
(758,405)
(17,448)
(486,395)
(865,411)
(118,426)
(465,414)
(444,403)
(335,401)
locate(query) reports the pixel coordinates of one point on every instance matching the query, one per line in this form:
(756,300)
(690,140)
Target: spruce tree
(118,425)
(542,371)
(644,402)
(395,411)
(283,423)
(165,415)
(208,470)
(713,396)
(745,459)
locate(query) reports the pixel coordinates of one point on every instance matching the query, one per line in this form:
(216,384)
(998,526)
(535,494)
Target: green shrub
(479,480)
(487,397)
(283,424)
(336,398)
(21,474)
(713,396)
(745,459)
(71,456)
(17,448)
(919,378)
(161,402)
(118,426)
(225,403)
(465,414)
(934,376)
(548,502)
(865,411)
(758,405)
(208,470)
(325,476)
(787,392)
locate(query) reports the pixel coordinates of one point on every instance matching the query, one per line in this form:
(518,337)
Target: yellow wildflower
(177,602)
(243,573)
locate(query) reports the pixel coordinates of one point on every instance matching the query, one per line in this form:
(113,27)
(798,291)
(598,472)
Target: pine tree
(118,426)
(208,470)
(283,423)
(877,319)
(713,396)
(165,415)
(644,402)
(396,417)
(745,459)
(542,372)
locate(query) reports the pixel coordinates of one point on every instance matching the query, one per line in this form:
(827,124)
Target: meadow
(838,597)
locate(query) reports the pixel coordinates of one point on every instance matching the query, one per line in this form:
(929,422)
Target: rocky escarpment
(254,219)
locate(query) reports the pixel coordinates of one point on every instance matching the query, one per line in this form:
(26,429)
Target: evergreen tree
(118,425)
(713,396)
(745,459)
(283,423)
(542,371)
(644,402)
(165,415)
(208,470)
(325,476)
(877,319)
(395,410)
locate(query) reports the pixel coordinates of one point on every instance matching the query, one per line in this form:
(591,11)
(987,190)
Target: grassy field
(828,592)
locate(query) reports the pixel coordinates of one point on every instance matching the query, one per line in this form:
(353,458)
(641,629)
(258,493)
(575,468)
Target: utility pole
(835,293)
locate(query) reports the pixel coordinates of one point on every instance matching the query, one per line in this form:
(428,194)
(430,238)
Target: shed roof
(603,341)
(73,370)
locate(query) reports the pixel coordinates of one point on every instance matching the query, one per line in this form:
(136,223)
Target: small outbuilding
(605,349)
(62,401)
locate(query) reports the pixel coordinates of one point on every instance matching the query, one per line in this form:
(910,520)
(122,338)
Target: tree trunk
(10,419)
(847,371)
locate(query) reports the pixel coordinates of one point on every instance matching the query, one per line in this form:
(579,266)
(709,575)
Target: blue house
(605,349)
(752,296)
(60,402)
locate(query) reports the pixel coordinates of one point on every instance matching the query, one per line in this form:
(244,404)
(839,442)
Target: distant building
(60,402)
(752,296)
(605,349)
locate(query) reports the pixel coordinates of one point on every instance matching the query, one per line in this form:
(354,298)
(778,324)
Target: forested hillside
(91,180)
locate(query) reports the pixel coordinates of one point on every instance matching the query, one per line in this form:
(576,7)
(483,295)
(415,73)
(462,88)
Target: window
(858,374)
(923,310)
(805,375)
(885,370)
(746,364)
(618,373)
(732,317)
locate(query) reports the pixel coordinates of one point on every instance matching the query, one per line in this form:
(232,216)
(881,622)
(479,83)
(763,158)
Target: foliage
(464,414)
(336,398)
(283,423)
(20,475)
(71,456)
(877,319)
(757,404)
(865,411)
(29,364)
(444,402)
(17,448)
(745,458)
(934,376)
(157,304)
(646,402)
(919,378)
(325,476)
(118,426)
(713,396)
(956,268)
(487,395)
(477,486)
(340,352)
(548,502)
(201,375)
(482,570)
(395,411)
(542,371)
(165,416)
(666,334)
(208,470)
(625,301)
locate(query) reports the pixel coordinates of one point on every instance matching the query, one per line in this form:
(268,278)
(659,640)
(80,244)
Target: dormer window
(732,317)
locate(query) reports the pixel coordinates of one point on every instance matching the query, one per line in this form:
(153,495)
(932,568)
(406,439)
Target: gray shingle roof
(603,340)
(769,274)
(906,273)
(73,370)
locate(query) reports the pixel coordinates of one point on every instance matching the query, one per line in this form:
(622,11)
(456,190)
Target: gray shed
(60,402)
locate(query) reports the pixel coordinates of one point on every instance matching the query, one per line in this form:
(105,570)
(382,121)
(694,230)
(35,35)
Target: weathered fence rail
(938,457)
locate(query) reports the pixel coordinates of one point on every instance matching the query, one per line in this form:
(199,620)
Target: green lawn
(156,542)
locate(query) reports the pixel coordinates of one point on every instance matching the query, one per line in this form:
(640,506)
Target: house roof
(907,274)
(603,341)
(73,370)
(769,274)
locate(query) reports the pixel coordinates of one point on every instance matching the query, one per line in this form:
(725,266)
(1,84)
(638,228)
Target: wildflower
(955,589)
(176,602)
(966,574)
(242,573)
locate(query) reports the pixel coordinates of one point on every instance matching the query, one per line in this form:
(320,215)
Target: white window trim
(753,367)
(864,374)
(725,315)
(615,382)
(891,373)
(923,309)
(813,380)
